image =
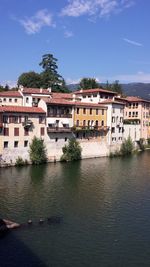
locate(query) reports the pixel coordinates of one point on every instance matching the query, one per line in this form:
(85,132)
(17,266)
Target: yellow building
(90,120)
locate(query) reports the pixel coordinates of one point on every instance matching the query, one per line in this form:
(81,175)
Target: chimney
(41,90)
(21,88)
(49,89)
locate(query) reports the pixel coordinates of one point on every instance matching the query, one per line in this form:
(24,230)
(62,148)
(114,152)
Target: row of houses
(98,118)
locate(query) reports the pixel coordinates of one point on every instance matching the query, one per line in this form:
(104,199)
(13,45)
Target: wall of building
(11,101)
(101,116)
(10,154)
(132,130)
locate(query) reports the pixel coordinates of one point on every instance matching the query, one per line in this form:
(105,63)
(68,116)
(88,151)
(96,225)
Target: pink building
(137,111)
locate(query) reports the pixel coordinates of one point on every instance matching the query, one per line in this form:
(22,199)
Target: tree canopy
(30,79)
(88,83)
(115,86)
(48,78)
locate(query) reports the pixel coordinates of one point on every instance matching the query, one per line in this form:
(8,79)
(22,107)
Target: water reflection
(105,208)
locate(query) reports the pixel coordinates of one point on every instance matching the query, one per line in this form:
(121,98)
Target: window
(96,111)
(77,123)
(133,114)
(89,96)
(96,123)
(6,131)
(102,123)
(42,130)
(136,114)
(16,100)
(6,144)
(113,119)
(25,143)
(84,111)
(90,111)
(113,110)
(102,111)
(27,99)
(78,110)
(26,131)
(65,139)
(113,129)
(4,99)
(121,119)
(84,123)
(16,131)
(56,139)
(88,122)
(10,99)
(5,119)
(129,114)
(15,143)
(41,119)
(94,95)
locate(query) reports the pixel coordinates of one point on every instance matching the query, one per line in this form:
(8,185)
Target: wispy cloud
(132,42)
(140,76)
(101,8)
(68,34)
(35,23)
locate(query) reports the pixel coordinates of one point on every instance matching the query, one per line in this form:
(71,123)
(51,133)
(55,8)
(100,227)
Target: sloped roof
(21,109)
(136,99)
(96,90)
(10,94)
(35,91)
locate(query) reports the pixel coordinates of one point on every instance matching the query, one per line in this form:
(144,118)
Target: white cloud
(35,23)
(132,42)
(125,78)
(101,8)
(68,34)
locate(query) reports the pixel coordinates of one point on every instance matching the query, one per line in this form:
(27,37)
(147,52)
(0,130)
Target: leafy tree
(88,83)
(127,147)
(116,87)
(30,79)
(50,76)
(38,153)
(72,151)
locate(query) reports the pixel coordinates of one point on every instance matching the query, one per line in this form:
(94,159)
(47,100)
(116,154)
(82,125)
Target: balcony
(55,115)
(90,128)
(59,130)
(27,123)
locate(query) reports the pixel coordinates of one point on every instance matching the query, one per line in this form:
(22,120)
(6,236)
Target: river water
(104,205)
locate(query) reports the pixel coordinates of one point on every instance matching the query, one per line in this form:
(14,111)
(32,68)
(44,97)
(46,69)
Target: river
(104,206)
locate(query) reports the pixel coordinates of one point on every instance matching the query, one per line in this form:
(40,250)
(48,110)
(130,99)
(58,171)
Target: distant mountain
(130,89)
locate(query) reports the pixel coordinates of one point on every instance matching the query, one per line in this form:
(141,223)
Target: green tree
(50,76)
(72,151)
(88,83)
(127,147)
(30,79)
(116,87)
(38,152)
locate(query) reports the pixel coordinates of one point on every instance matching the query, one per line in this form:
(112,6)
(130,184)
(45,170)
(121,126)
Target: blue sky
(102,39)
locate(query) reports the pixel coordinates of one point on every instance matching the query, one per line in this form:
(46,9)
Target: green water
(104,203)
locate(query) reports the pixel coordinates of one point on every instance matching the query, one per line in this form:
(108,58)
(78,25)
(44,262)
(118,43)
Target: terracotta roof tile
(60,101)
(96,90)
(21,109)
(35,91)
(136,99)
(10,94)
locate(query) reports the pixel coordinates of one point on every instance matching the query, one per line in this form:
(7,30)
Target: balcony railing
(59,130)
(90,128)
(27,123)
(52,115)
